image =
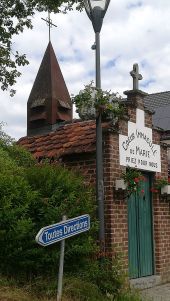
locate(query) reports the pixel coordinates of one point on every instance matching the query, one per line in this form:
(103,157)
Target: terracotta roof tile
(75,137)
(52,153)
(39,139)
(32,149)
(39,154)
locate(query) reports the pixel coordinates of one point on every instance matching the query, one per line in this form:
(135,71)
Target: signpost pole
(59,232)
(61,266)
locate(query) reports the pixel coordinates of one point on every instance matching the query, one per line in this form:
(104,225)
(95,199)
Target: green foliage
(63,193)
(129,296)
(5,139)
(16,15)
(107,274)
(22,157)
(133,179)
(12,155)
(159,182)
(80,289)
(32,197)
(7,165)
(74,289)
(93,100)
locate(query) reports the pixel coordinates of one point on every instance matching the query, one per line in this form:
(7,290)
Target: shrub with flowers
(159,182)
(92,100)
(133,179)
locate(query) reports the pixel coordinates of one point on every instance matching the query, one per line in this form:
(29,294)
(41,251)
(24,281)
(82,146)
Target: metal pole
(99,154)
(61,266)
(98,75)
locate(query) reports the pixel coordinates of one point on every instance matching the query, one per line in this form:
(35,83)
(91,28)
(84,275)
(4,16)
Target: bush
(107,275)
(32,197)
(79,289)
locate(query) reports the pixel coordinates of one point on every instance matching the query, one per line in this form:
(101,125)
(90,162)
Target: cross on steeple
(136,76)
(50,24)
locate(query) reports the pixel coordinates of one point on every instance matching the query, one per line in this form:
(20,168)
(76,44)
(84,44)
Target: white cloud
(133,31)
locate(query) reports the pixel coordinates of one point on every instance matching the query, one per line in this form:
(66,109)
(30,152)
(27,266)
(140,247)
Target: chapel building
(137,225)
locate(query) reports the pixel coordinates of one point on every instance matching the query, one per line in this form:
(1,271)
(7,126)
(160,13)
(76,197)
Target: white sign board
(137,149)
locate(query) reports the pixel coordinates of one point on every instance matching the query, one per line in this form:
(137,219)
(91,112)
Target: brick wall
(161,219)
(115,208)
(161,207)
(83,163)
(116,211)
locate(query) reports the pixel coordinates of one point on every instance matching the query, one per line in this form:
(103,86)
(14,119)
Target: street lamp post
(96,10)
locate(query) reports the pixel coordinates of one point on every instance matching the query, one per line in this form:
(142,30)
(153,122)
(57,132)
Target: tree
(15,16)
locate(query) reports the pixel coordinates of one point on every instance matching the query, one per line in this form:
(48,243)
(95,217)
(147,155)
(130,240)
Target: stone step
(145,282)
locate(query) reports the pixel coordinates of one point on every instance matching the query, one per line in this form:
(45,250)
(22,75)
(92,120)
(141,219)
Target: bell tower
(49,102)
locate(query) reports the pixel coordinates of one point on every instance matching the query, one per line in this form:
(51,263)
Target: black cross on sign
(50,24)
(136,76)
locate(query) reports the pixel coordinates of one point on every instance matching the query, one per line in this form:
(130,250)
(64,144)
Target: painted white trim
(137,149)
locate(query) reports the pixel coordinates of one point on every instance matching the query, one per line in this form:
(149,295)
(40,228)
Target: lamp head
(96,10)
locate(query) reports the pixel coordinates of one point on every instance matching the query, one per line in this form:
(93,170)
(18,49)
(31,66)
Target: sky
(133,31)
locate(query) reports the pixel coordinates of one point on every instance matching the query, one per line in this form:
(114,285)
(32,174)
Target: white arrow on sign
(65,229)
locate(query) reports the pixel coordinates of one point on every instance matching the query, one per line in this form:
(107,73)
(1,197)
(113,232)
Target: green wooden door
(140,241)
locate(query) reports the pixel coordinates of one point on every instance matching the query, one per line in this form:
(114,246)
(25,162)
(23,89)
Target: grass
(129,296)
(8,293)
(75,290)
(19,294)
(11,291)
(80,290)
(45,290)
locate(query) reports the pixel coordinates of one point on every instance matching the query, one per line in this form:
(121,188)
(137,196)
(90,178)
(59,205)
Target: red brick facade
(116,211)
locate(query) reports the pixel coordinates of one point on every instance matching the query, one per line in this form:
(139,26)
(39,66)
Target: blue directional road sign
(57,232)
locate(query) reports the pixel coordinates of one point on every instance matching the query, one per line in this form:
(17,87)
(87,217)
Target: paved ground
(157,293)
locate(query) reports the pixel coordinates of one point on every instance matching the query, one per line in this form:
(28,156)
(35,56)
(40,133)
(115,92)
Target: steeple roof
(49,102)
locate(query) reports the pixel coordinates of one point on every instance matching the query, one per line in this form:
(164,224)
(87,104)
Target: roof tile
(156,100)
(75,137)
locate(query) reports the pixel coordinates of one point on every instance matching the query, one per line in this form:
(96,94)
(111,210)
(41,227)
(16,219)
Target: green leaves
(92,100)
(15,17)
(31,197)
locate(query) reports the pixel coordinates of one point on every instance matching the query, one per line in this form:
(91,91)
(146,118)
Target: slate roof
(155,100)
(76,137)
(161,118)
(160,104)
